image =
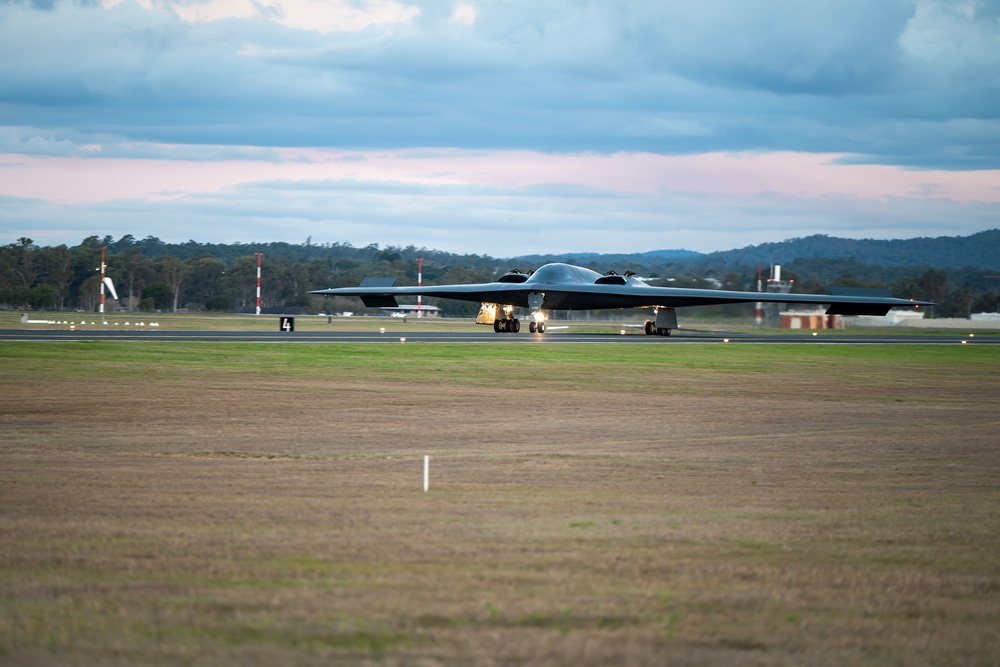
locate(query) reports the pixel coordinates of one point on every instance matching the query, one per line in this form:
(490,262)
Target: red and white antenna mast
(759,318)
(259,255)
(420,283)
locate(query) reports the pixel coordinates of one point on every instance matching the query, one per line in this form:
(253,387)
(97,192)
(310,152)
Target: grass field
(168,503)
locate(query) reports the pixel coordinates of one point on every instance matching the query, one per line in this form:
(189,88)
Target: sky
(499,127)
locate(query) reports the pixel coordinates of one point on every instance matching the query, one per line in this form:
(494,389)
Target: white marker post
(259,255)
(427,472)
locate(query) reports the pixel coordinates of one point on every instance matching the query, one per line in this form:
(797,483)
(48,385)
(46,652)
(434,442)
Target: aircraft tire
(650,328)
(541,327)
(532,327)
(496,326)
(516,325)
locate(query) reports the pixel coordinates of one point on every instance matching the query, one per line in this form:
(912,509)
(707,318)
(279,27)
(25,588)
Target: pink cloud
(806,175)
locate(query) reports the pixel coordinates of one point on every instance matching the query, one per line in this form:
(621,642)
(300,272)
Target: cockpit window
(562,273)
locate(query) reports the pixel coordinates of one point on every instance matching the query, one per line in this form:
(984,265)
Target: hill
(588,258)
(978,250)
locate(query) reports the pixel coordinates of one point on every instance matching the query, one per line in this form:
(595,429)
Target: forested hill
(979,251)
(588,258)
(976,251)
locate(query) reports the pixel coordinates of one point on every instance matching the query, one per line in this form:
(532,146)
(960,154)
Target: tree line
(151,275)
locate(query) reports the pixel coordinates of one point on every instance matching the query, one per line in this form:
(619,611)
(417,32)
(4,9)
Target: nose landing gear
(536,327)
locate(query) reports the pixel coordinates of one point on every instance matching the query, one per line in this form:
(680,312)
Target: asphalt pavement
(398,334)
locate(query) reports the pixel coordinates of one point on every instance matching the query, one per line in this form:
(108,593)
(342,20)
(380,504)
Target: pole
(759,316)
(420,283)
(103,250)
(259,255)
(427,471)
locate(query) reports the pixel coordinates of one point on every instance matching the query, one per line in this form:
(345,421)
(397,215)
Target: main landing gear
(503,320)
(653,330)
(513,325)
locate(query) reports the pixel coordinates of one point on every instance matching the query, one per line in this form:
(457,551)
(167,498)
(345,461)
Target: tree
(88,293)
(204,281)
(23,261)
(907,288)
(172,271)
(933,284)
(219,303)
(43,297)
(848,280)
(958,303)
(85,265)
(132,268)
(241,279)
(987,303)
(56,265)
(160,296)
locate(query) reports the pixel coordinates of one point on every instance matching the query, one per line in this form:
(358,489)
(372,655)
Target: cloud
(783,46)
(673,77)
(464,13)
(501,225)
(499,127)
(495,204)
(319,15)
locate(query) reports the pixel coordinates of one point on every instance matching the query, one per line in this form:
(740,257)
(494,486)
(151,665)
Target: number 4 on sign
(287,324)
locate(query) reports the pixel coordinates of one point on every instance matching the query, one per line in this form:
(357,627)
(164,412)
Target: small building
(406,310)
(811,319)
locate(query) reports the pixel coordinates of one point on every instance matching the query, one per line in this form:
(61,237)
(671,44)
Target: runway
(397,335)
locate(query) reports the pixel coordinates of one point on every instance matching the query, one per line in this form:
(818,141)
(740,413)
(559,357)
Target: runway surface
(397,334)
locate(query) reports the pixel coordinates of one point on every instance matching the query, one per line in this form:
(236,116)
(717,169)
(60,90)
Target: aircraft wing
(385,297)
(877,302)
(631,294)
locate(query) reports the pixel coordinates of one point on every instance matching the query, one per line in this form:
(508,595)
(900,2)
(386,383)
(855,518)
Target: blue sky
(499,127)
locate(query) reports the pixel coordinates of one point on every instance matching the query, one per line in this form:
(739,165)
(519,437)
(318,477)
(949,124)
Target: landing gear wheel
(650,328)
(532,327)
(662,332)
(541,327)
(515,325)
(496,326)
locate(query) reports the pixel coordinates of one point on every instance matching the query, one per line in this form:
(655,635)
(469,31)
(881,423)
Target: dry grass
(167,504)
